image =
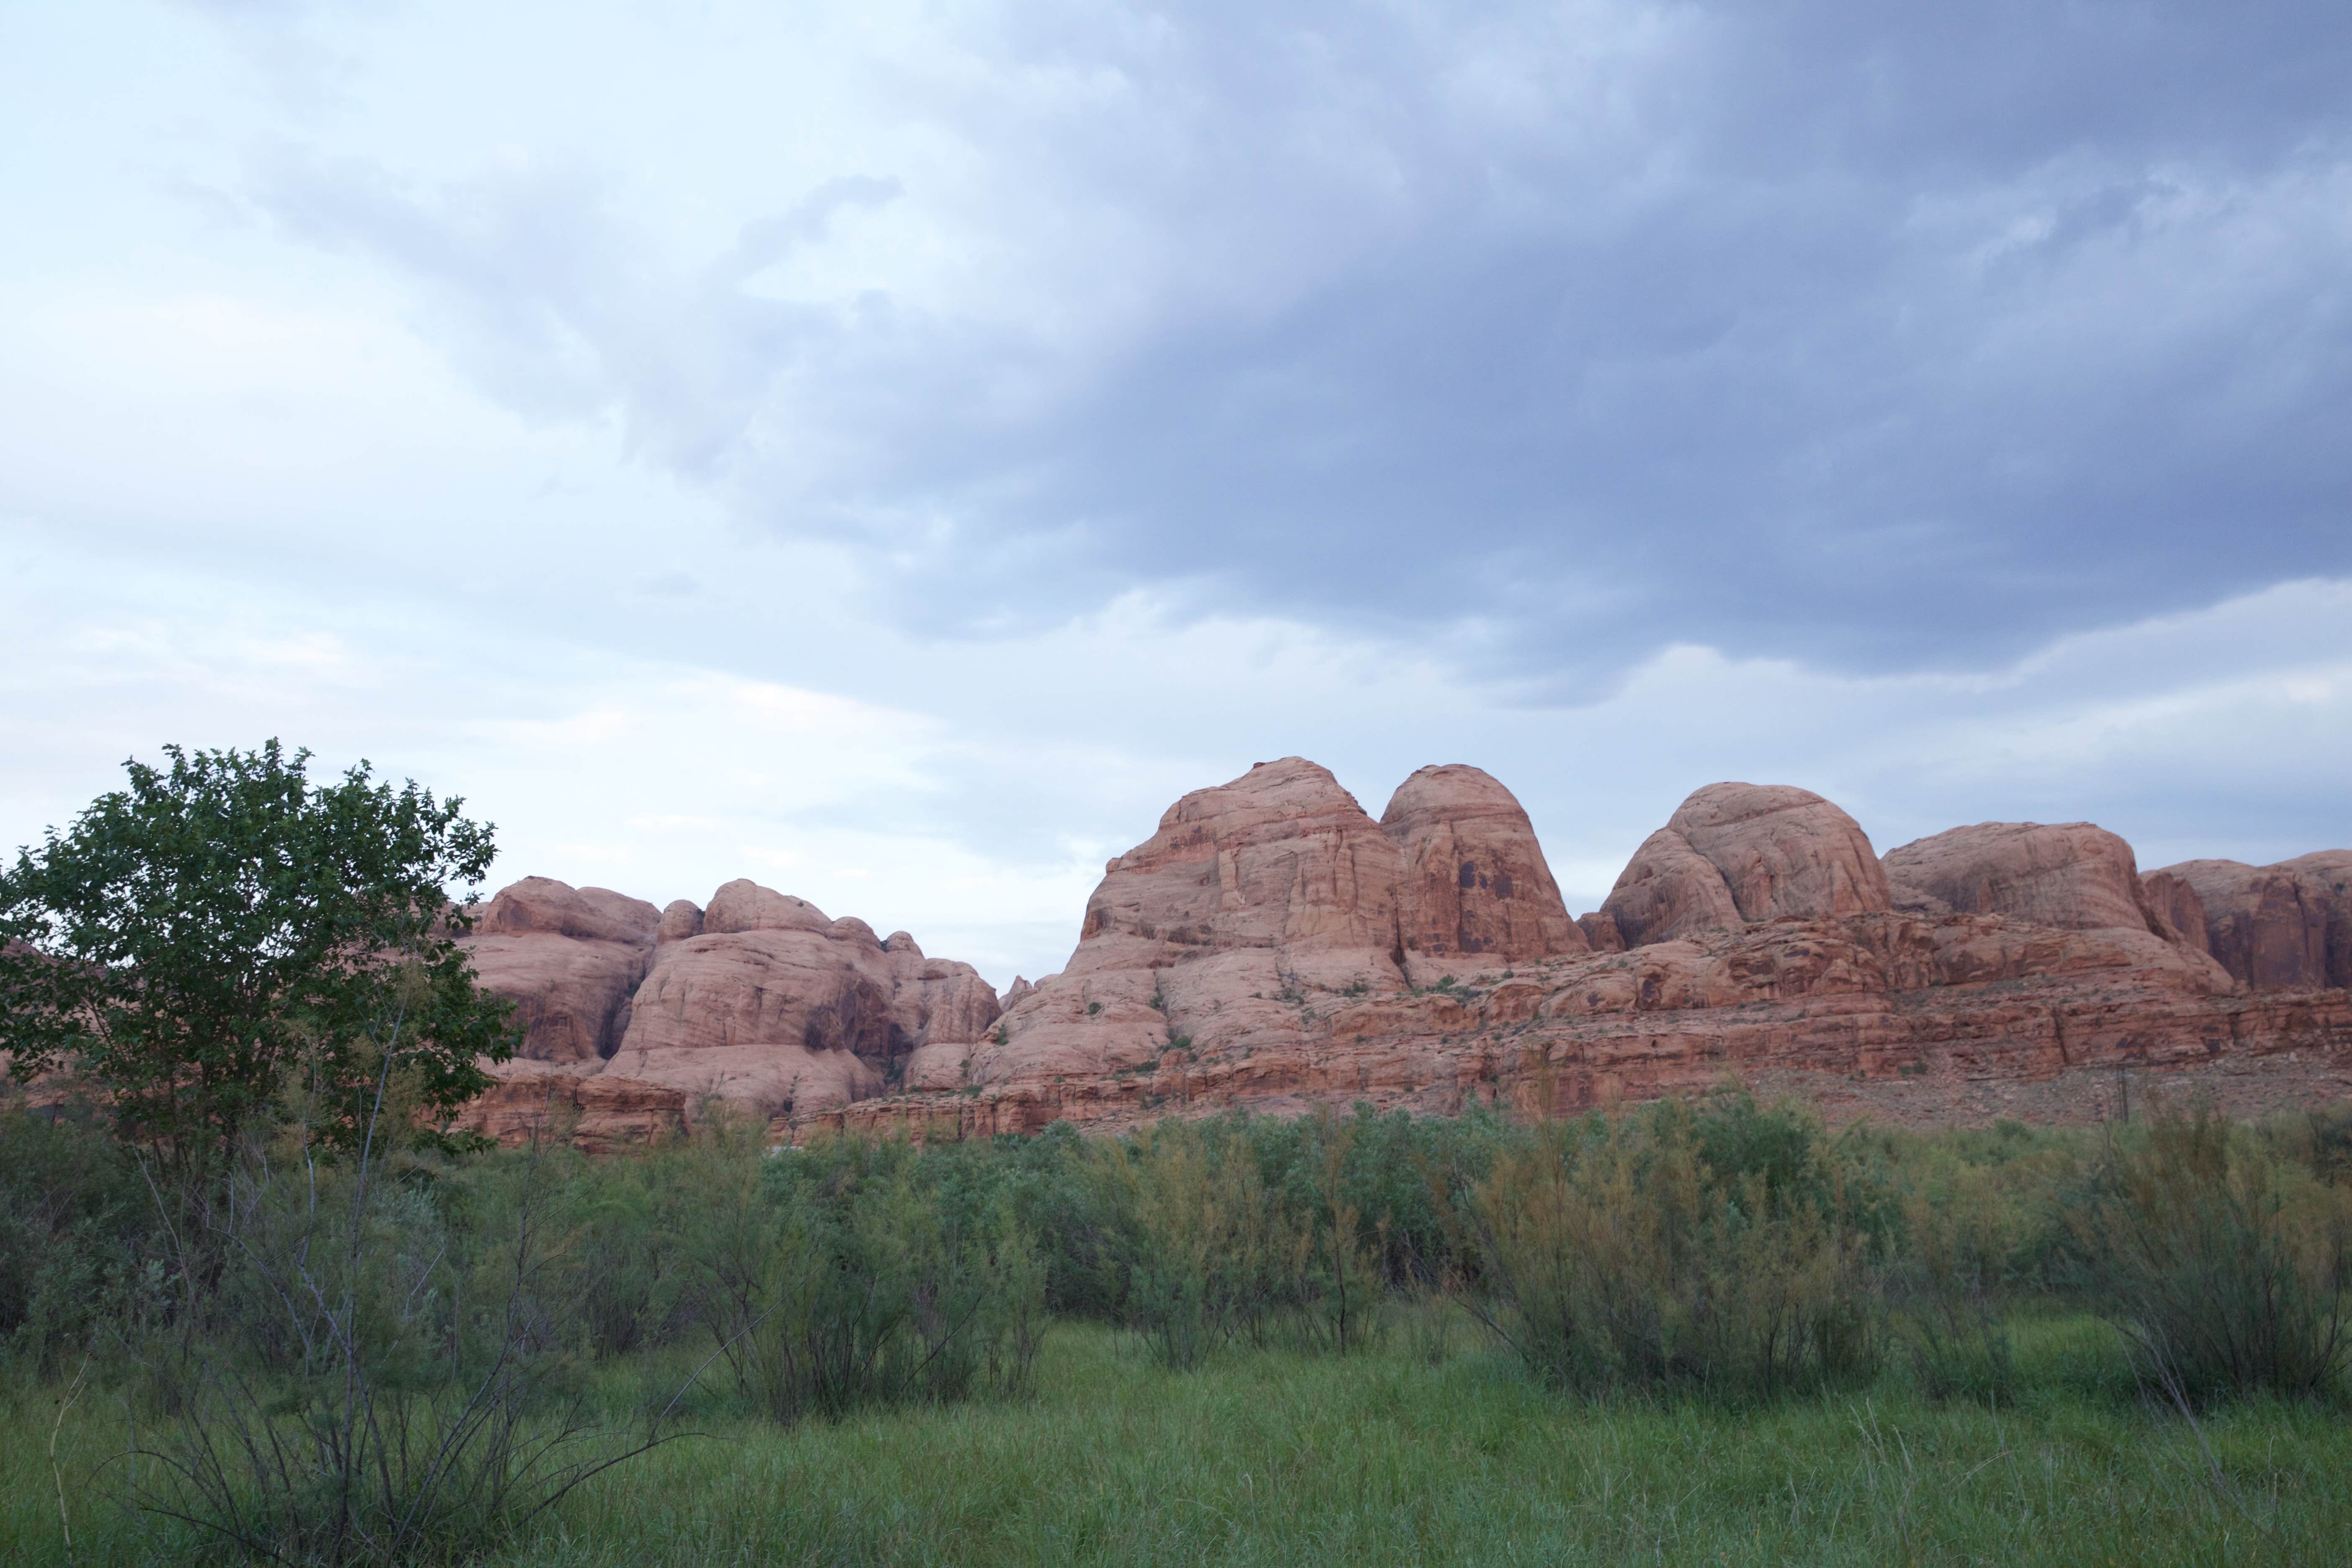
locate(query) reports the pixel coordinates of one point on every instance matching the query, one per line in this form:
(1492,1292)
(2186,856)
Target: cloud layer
(1900,339)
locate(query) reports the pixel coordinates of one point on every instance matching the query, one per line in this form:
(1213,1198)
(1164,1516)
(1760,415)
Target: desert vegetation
(1714,1330)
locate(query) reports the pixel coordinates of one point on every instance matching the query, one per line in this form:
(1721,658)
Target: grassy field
(1274,1457)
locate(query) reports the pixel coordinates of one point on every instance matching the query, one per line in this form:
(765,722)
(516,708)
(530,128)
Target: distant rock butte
(2073,876)
(1272,947)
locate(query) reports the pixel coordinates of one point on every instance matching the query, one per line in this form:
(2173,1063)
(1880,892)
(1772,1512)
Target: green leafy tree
(223,945)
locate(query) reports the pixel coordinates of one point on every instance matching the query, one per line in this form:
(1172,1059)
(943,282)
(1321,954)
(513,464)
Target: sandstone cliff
(569,960)
(2074,876)
(1235,959)
(635,1017)
(1271,946)
(2275,928)
(1475,880)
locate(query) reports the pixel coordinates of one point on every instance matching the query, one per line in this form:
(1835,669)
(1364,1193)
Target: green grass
(1274,1457)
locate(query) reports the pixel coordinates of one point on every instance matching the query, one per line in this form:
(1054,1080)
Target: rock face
(776,1005)
(1272,947)
(1258,896)
(2330,870)
(680,920)
(637,1017)
(1475,878)
(2267,925)
(1248,894)
(1237,959)
(1667,890)
(599,1112)
(570,959)
(2073,876)
(2177,901)
(1737,853)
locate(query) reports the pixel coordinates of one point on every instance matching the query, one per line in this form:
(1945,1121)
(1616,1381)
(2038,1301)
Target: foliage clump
(221,940)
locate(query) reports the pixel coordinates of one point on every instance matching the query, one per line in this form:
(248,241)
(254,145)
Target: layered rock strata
(1234,960)
(1271,947)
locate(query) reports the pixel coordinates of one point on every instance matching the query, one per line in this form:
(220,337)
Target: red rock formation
(2073,875)
(634,1016)
(1476,883)
(2265,924)
(1250,896)
(595,1111)
(776,1005)
(1272,947)
(1783,851)
(1600,933)
(2177,901)
(568,959)
(1734,853)
(1667,890)
(1219,966)
(2330,872)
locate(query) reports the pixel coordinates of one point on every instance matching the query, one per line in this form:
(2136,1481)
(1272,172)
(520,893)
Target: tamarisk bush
(2224,1262)
(1731,1251)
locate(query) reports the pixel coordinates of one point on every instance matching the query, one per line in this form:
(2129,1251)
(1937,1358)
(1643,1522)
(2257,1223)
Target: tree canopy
(223,943)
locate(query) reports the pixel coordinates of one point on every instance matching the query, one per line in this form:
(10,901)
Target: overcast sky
(892,451)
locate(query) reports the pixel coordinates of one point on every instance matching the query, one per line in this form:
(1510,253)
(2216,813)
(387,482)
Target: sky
(891,451)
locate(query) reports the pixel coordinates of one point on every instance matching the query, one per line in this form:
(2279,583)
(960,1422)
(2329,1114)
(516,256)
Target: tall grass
(1288,1458)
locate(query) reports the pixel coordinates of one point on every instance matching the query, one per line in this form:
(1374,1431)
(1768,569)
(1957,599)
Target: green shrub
(360,1371)
(77,1259)
(1621,1255)
(1218,1255)
(2224,1263)
(834,1279)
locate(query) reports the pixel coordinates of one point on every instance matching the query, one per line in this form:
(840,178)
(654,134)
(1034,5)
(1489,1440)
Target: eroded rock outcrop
(2330,872)
(637,1017)
(1600,933)
(2008,969)
(1476,883)
(2073,875)
(569,958)
(602,1113)
(1272,947)
(2172,898)
(1250,895)
(776,1005)
(2267,925)
(1258,902)
(1667,890)
(1737,853)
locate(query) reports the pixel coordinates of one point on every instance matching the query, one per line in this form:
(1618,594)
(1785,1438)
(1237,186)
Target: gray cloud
(1879,338)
